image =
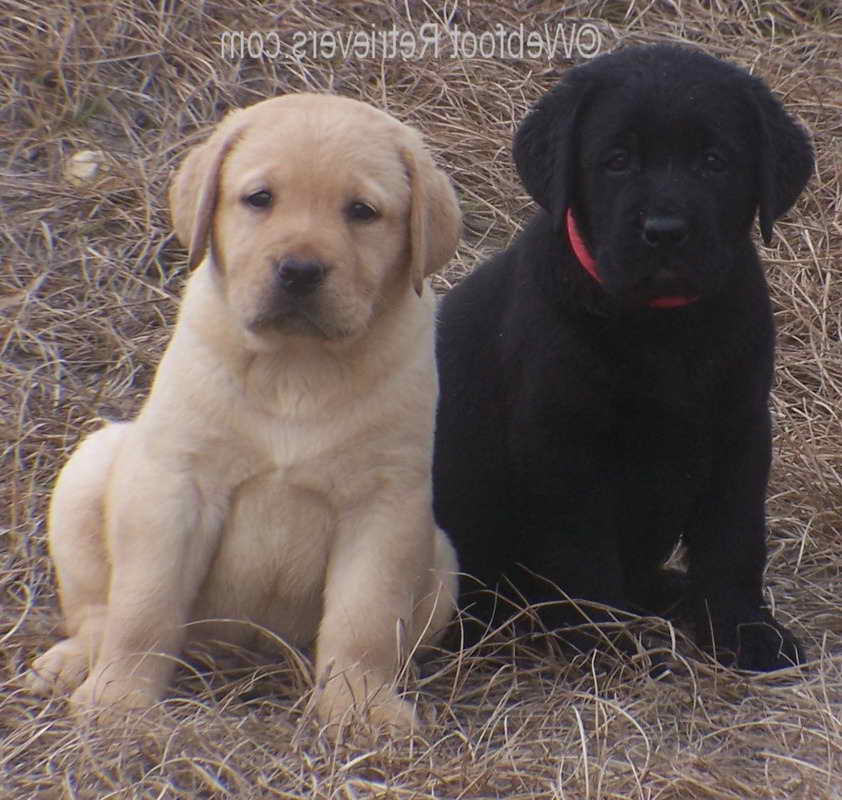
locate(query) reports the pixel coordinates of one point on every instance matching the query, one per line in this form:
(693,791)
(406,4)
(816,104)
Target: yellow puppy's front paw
(111,699)
(384,713)
(393,716)
(60,669)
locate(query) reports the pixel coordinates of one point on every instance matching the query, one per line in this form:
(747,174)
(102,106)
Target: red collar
(589,263)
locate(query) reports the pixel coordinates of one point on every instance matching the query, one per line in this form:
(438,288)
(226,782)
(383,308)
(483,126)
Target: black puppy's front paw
(764,645)
(754,642)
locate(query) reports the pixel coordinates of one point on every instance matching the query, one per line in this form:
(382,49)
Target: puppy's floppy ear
(435,221)
(786,158)
(194,190)
(545,146)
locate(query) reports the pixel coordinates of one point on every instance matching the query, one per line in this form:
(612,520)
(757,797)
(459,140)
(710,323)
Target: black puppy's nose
(300,277)
(664,231)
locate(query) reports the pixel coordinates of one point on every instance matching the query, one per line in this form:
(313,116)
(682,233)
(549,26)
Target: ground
(89,280)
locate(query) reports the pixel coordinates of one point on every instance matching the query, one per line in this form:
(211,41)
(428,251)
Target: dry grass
(88,281)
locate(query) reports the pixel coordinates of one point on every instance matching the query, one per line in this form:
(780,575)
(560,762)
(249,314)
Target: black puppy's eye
(359,211)
(713,162)
(260,199)
(618,162)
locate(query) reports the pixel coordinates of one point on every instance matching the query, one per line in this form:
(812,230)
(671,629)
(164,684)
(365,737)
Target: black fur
(581,433)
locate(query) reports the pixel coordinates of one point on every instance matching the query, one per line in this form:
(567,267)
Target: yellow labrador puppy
(279,472)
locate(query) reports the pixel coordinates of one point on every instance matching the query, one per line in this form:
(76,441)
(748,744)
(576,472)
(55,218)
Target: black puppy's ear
(545,147)
(786,158)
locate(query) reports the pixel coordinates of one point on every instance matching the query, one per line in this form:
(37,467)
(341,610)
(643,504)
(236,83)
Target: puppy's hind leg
(77,546)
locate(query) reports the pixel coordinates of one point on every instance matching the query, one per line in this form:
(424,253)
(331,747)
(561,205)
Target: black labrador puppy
(605,380)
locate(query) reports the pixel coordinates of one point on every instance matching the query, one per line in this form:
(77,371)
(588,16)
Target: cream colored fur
(279,472)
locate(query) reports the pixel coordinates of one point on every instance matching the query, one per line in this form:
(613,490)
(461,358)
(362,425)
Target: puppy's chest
(672,422)
(673,377)
(329,456)
(341,448)
(667,408)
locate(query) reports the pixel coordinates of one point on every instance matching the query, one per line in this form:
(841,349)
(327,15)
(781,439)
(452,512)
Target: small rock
(86,166)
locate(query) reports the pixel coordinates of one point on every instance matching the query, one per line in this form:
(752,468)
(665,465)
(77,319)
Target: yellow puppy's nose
(300,277)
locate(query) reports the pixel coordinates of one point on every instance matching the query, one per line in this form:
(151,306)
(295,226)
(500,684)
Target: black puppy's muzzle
(655,264)
(299,278)
(665,232)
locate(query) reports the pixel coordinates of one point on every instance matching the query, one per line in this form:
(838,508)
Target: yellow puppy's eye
(359,211)
(260,199)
